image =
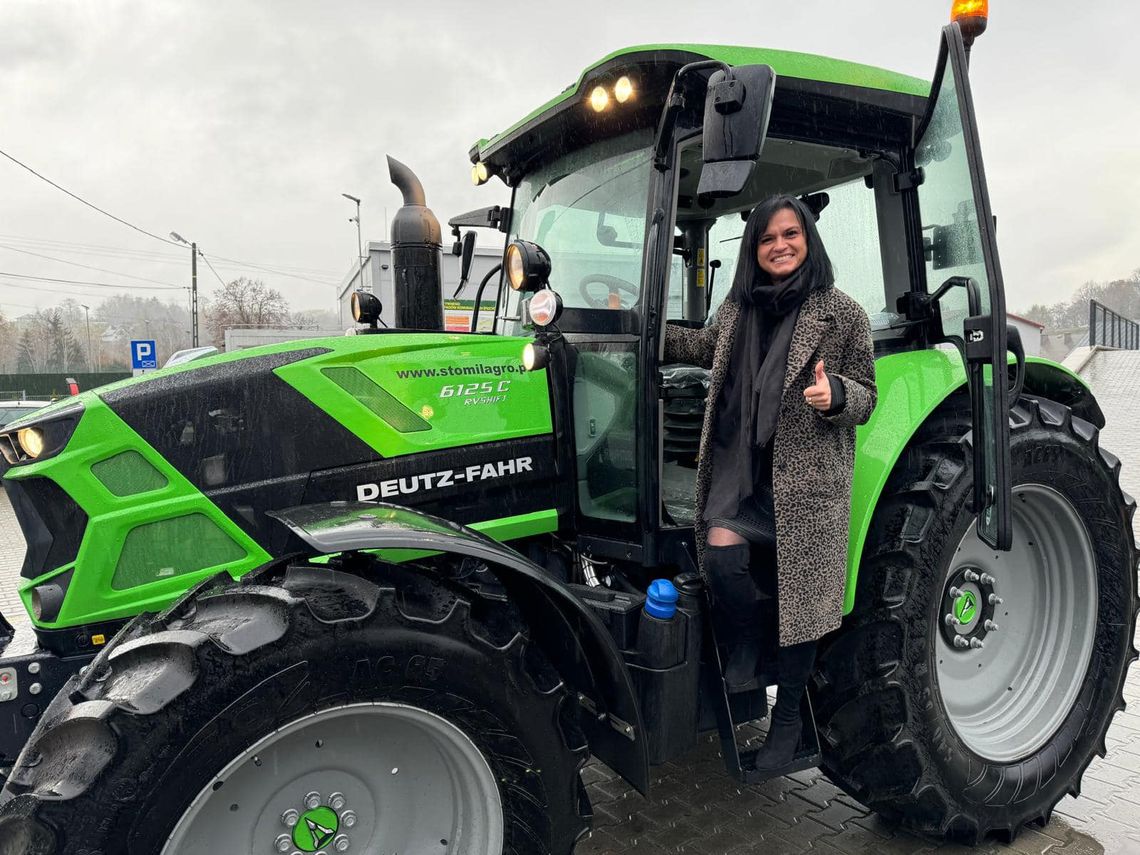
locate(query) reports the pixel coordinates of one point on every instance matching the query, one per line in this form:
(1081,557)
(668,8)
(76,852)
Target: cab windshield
(587,210)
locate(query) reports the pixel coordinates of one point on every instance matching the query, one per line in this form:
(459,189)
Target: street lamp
(359,246)
(193,286)
(87,317)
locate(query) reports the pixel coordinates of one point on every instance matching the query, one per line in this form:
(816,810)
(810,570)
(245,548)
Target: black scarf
(750,402)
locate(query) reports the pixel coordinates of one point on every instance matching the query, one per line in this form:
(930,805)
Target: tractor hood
(175,472)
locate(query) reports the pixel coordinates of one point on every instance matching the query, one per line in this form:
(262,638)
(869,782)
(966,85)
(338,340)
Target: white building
(1030,333)
(377,278)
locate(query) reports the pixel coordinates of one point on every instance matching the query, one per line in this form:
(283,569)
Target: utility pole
(359,245)
(193,294)
(193,286)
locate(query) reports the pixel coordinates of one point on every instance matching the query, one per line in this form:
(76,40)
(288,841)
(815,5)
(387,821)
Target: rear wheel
(969,689)
(313,712)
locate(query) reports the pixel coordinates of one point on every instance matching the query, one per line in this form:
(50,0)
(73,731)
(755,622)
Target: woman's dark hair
(816,267)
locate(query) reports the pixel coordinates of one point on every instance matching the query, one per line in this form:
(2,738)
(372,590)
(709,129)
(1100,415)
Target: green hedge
(53,385)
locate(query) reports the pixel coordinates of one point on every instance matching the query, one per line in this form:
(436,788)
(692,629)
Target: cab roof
(790,64)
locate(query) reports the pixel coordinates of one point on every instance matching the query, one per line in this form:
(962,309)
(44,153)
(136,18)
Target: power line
(56,292)
(212,270)
(97,284)
(84,201)
(87,266)
(305,274)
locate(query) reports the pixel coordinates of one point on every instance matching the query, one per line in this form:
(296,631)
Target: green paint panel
(174,547)
(468,388)
(91,596)
(127,474)
(803,66)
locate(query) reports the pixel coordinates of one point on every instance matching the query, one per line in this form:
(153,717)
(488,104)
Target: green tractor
(273,605)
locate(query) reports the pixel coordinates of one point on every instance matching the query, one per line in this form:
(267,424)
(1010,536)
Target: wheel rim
(373,777)
(1016,629)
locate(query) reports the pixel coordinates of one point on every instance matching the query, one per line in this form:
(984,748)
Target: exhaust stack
(416,241)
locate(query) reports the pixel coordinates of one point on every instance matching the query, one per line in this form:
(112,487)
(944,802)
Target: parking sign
(144,356)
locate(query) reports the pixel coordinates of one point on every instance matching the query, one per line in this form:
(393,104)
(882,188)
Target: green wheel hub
(352,779)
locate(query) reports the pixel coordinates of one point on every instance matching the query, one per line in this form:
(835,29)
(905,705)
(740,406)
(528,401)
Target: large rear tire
(968,690)
(314,710)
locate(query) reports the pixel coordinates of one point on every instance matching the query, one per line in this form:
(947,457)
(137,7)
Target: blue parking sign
(143,355)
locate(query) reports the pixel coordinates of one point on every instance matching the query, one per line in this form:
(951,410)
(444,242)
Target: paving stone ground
(695,808)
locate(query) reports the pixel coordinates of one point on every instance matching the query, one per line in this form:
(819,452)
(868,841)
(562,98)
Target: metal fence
(1109,329)
(54,385)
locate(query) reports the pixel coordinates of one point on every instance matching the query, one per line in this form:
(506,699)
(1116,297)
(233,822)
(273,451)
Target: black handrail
(1111,329)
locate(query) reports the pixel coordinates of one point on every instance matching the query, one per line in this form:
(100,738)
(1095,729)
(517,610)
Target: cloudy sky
(238,124)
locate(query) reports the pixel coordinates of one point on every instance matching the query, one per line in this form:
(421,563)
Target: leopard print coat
(813,456)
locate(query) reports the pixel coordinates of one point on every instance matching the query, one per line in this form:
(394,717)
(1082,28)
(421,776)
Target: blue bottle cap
(661,599)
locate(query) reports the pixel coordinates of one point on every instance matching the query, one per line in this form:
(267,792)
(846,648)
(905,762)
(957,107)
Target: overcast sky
(238,124)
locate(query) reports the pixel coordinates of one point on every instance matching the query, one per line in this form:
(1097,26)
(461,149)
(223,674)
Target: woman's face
(783,246)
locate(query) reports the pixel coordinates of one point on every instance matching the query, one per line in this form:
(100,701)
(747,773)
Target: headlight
(31,441)
(545,307)
(528,266)
(479,173)
(39,438)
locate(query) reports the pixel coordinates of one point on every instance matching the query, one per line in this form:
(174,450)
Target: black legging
(736,582)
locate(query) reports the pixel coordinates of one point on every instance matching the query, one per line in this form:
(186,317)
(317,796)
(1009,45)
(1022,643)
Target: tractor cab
(629,206)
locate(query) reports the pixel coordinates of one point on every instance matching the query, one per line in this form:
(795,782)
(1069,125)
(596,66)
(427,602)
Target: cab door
(964,275)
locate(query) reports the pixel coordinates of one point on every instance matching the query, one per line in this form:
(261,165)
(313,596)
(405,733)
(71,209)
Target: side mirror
(955,244)
(738,105)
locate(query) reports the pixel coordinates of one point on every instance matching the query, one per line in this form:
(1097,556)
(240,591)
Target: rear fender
(572,637)
(912,387)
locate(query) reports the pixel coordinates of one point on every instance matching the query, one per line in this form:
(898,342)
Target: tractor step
(807,755)
(741,764)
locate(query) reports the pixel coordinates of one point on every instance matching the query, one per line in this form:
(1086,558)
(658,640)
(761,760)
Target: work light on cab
(535,357)
(599,98)
(528,266)
(31,441)
(545,307)
(365,308)
(972,16)
(479,173)
(623,89)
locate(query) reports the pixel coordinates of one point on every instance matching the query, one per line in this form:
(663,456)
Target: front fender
(569,633)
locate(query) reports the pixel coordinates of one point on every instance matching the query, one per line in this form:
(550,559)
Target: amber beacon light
(972,16)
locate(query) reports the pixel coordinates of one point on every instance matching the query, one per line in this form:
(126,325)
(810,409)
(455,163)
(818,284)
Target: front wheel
(315,712)
(969,689)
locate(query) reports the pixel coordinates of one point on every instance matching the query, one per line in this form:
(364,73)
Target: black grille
(52,523)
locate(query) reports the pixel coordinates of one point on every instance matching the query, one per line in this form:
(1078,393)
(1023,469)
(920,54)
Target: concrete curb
(1079,359)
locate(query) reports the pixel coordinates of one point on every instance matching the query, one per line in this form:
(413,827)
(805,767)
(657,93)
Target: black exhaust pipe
(416,241)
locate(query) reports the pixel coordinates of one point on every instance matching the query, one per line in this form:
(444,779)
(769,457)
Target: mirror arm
(479,295)
(674,104)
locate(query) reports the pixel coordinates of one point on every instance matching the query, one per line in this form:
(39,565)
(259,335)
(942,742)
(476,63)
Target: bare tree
(7,345)
(246,303)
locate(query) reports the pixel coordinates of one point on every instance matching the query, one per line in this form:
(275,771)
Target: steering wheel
(615,285)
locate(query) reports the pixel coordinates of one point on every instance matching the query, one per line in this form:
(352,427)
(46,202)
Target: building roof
(1025,320)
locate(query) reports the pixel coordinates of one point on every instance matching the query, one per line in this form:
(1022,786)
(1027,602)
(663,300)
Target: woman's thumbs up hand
(818,395)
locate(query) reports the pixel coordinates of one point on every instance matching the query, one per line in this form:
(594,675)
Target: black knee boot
(794,665)
(736,599)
